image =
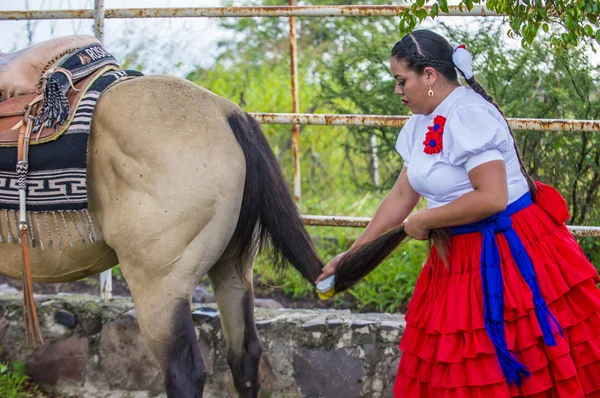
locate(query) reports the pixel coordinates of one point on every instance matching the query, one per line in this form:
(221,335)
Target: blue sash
(493,288)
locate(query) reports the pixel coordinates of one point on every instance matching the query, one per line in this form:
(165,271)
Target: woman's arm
(489,196)
(392,211)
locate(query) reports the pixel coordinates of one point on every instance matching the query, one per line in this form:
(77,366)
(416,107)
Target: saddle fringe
(44,228)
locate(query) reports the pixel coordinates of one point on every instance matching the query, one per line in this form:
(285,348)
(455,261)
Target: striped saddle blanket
(56,176)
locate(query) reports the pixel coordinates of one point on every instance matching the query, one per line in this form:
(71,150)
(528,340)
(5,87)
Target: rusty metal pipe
(362,222)
(99,20)
(106,276)
(295,109)
(399,121)
(217,12)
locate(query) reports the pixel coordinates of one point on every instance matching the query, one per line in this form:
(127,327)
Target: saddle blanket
(56,179)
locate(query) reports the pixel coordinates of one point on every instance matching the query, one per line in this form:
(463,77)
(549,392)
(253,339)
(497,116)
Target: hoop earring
(430,92)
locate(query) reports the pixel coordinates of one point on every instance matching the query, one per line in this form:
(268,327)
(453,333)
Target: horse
(182,183)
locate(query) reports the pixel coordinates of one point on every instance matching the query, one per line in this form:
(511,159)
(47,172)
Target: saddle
(47,81)
(21,71)
(40,90)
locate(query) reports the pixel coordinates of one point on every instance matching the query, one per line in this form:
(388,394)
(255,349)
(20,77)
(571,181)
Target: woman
(507,304)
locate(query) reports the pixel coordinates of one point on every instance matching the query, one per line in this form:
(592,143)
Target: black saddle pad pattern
(56,179)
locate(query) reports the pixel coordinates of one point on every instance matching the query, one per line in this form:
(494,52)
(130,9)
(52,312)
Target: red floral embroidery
(433,138)
(433,143)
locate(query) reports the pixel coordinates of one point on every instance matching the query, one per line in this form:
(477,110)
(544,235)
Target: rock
(208,354)
(333,373)
(65,318)
(334,323)
(265,324)
(359,324)
(60,360)
(91,325)
(268,376)
(387,370)
(267,303)
(391,325)
(126,360)
(317,324)
(202,295)
(5,288)
(205,314)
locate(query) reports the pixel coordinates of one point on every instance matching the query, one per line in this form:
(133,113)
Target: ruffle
(446,351)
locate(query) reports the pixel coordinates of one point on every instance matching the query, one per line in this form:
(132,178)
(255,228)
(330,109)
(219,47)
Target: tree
(578,19)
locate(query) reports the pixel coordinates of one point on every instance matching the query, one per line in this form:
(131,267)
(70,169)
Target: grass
(12,380)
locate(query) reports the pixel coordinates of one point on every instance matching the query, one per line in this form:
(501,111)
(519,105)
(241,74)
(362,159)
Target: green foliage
(12,379)
(577,20)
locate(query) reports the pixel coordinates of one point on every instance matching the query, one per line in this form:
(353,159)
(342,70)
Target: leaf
(434,10)
(545,27)
(598,35)
(422,14)
(469,4)
(444,6)
(421,3)
(588,30)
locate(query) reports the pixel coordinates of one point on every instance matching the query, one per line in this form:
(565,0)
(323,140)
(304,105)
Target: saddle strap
(33,332)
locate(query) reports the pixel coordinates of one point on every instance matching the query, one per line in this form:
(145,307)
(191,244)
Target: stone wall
(94,350)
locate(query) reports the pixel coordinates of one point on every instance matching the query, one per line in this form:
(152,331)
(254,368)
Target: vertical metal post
(106,276)
(375,160)
(99,20)
(295,108)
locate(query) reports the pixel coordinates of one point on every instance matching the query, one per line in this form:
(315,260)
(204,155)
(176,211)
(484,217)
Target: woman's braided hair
(423,48)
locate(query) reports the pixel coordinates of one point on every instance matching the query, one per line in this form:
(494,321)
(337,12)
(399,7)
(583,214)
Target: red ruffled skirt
(446,351)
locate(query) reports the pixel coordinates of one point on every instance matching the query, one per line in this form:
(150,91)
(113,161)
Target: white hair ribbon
(463,60)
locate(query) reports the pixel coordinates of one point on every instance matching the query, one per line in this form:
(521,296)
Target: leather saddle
(47,81)
(21,71)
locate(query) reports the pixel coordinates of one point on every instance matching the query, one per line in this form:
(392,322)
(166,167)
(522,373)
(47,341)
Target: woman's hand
(331,267)
(416,227)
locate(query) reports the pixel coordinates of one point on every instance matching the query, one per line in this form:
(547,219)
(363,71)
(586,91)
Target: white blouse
(474,133)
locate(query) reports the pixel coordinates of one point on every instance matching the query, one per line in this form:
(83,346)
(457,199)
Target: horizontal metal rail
(217,12)
(362,222)
(399,121)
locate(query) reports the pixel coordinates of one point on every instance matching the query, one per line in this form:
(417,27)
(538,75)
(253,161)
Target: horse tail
(359,261)
(269,214)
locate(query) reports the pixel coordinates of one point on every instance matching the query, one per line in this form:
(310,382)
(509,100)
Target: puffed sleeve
(405,141)
(474,135)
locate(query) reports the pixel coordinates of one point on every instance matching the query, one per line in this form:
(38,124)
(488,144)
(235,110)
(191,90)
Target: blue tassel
(492,284)
(542,312)
(544,316)
(513,370)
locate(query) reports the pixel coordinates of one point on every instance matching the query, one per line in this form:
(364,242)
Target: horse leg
(165,320)
(235,298)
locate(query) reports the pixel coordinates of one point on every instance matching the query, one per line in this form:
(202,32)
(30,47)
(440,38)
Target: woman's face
(412,87)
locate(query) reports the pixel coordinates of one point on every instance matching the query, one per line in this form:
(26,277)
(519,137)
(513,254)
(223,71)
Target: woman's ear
(430,74)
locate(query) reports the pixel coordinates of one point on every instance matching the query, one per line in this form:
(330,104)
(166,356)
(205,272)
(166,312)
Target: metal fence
(99,13)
